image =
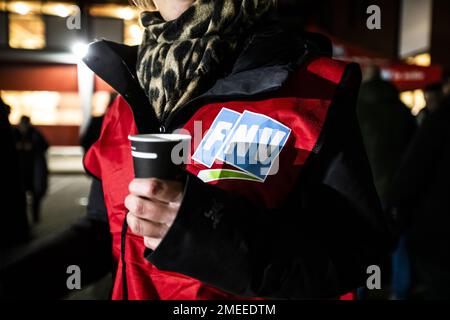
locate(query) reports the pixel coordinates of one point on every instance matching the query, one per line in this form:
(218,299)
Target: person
(387,128)
(31,148)
(14,218)
(434,95)
(227,230)
(422,201)
(446,85)
(94,128)
(5,110)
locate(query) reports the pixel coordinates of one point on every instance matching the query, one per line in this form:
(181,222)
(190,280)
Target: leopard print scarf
(180,59)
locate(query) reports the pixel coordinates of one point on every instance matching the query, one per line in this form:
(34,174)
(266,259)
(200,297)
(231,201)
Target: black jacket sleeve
(318,246)
(40,271)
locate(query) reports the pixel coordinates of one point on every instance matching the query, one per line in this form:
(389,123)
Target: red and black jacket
(309,231)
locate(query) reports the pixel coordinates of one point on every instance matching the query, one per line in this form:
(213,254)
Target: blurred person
(308,231)
(446,85)
(423,202)
(434,95)
(94,127)
(387,128)
(5,110)
(31,147)
(14,218)
(403,275)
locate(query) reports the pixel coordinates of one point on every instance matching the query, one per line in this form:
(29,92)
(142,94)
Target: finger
(150,210)
(146,228)
(161,190)
(151,243)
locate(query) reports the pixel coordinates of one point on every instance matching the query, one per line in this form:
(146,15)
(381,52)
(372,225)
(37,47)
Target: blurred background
(46,87)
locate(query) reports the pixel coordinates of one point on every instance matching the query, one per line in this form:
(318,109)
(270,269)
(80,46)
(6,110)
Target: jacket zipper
(166,121)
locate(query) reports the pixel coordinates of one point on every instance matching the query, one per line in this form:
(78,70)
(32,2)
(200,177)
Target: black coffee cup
(160,156)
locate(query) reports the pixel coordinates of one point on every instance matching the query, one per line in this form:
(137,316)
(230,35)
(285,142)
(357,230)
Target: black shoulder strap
(115,64)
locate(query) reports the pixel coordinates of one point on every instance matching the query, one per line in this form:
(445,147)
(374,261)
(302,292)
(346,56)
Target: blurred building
(41,41)
(40,47)
(413,32)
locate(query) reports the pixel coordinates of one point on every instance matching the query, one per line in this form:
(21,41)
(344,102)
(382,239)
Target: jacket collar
(263,66)
(114,63)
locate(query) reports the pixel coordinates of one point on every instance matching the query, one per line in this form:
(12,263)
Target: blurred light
(420,102)
(100,103)
(114,11)
(80,50)
(135,31)
(126,13)
(414,100)
(26,31)
(59,9)
(31,43)
(21,8)
(62,11)
(423,60)
(39,105)
(24,7)
(407,98)
(83,201)
(44,107)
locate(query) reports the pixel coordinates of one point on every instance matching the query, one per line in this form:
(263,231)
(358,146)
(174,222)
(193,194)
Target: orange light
(415,100)
(21,8)
(423,60)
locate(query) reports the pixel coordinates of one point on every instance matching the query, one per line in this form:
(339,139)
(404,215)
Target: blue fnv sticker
(250,142)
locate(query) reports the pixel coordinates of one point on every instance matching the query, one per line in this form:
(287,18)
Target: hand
(153,206)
